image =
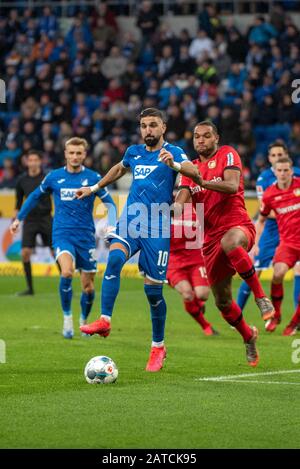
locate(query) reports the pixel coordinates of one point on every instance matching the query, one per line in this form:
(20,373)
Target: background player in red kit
(284,198)
(228,231)
(186,269)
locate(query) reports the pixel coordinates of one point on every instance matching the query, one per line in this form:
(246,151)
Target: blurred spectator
(8,175)
(147,21)
(201,46)
(114,65)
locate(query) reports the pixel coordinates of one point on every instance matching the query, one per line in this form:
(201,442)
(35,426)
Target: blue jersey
(70,214)
(152,186)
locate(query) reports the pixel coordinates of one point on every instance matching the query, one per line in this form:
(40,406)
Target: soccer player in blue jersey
(269,239)
(154,166)
(73,227)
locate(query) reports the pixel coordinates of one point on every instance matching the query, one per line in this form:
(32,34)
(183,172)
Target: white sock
(107,318)
(157,344)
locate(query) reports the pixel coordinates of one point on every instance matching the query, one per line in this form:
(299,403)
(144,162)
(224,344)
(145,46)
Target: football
(101,370)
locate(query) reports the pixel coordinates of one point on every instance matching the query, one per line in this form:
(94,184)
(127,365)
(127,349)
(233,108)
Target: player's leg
(279,271)
(158,311)
(232,313)
(26,254)
(296,284)
(118,255)
(28,243)
(66,262)
(198,279)
(235,244)
(87,295)
(153,264)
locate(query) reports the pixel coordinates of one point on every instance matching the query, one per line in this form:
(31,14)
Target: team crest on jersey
(67,194)
(297,192)
(212,164)
(85,182)
(142,171)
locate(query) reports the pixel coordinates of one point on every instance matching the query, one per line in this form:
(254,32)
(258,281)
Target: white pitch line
(247,375)
(255,382)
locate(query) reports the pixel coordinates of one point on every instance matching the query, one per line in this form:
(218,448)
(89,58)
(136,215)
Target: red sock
(242,263)
(233,315)
(195,308)
(296,318)
(277,297)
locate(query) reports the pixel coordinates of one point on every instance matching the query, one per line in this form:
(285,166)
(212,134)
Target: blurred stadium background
(89,67)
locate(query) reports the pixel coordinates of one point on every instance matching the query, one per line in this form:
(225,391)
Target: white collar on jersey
(82,169)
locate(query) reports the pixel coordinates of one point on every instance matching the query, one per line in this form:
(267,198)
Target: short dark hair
(209,124)
(35,152)
(278,143)
(285,159)
(153,112)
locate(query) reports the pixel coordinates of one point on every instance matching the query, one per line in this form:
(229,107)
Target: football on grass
(101,370)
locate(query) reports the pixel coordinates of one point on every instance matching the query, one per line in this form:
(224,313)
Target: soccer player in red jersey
(284,198)
(186,269)
(228,232)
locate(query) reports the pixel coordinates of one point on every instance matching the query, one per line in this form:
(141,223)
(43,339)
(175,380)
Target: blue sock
(243,295)
(158,309)
(86,303)
(111,281)
(65,291)
(296,290)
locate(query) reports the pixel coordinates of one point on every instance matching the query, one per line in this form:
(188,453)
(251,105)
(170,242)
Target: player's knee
(202,294)
(278,277)
(187,294)
(223,303)
(67,272)
(116,260)
(88,288)
(229,243)
(26,252)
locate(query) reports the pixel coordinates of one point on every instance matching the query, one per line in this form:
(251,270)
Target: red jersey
(221,211)
(286,205)
(186,240)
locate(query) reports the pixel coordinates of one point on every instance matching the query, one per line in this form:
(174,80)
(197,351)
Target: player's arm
(19,198)
(259,226)
(186,168)
(31,202)
(229,185)
(183,196)
(115,173)
(111,207)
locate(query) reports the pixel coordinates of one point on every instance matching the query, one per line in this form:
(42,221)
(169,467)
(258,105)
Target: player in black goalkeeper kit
(39,220)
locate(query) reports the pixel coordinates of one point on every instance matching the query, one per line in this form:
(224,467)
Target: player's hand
(199,179)
(109,229)
(166,157)
(14,226)
(83,192)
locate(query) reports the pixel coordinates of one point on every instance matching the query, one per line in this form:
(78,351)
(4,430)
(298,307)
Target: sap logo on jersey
(143,171)
(67,194)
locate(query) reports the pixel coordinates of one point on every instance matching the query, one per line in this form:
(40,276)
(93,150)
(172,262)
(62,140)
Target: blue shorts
(267,246)
(154,254)
(81,247)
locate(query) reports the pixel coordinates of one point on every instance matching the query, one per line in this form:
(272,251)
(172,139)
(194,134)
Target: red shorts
(195,274)
(217,264)
(287,254)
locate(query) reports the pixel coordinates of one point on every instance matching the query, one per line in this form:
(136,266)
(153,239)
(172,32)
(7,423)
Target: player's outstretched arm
(186,168)
(259,226)
(31,202)
(115,173)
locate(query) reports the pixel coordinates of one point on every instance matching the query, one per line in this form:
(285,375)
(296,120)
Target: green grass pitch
(46,403)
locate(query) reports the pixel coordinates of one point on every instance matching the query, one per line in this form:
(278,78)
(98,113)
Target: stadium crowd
(92,81)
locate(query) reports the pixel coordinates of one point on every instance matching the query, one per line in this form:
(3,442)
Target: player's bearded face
(152,130)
